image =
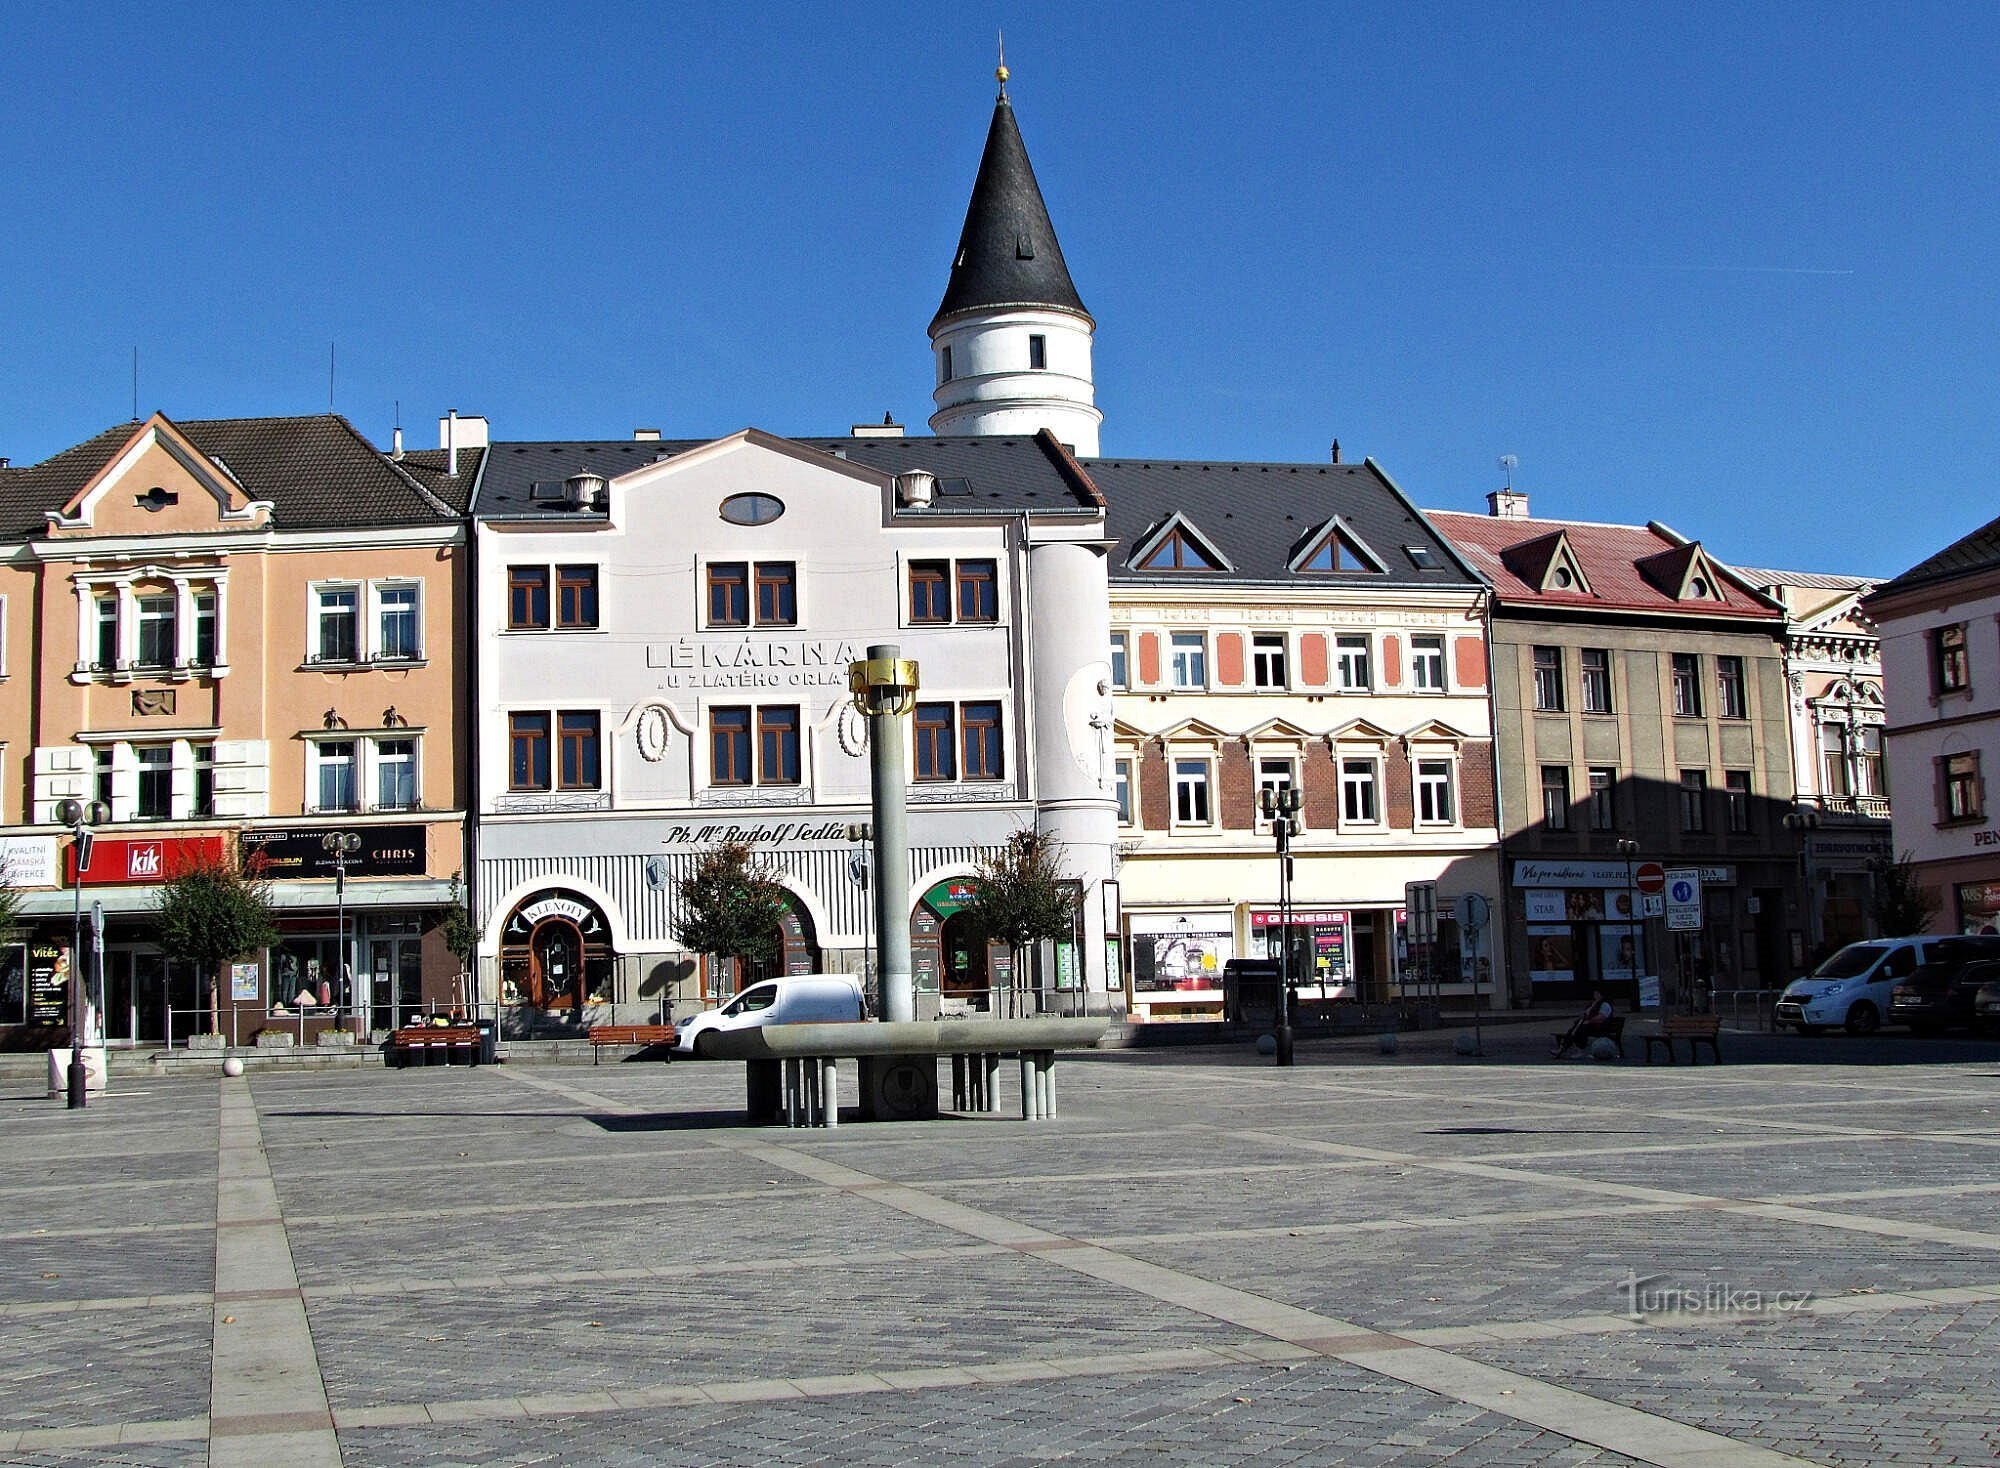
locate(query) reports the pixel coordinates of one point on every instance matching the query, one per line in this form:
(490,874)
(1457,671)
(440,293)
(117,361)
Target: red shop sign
(1302,917)
(122,860)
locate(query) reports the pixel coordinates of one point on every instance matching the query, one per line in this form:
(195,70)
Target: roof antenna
(329,376)
(135,384)
(1510,462)
(1000,71)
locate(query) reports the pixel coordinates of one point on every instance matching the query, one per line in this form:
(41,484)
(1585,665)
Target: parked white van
(1852,987)
(795,999)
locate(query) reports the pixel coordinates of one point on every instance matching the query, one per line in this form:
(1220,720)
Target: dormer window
(1334,548)
(1178,552)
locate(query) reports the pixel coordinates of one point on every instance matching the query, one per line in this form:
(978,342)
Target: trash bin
(489,1042)
(1250,991)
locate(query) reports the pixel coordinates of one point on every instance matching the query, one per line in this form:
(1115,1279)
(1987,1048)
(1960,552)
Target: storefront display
(1978,907)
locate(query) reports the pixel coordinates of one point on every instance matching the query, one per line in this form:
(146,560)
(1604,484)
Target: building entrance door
(555,970)
(966,976)
(395,981)
(149,1000)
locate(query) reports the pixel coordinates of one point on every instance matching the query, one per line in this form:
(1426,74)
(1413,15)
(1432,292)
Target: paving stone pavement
(1203,1260)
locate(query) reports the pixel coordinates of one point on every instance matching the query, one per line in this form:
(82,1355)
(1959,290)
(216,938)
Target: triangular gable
(1334,546)
(1194,729)
(1549,564)
(1360,731)
(1435,731)
(1841,616)
(234,507)
(1177,545)
(1123,732)
(1684,573)
(1283,730)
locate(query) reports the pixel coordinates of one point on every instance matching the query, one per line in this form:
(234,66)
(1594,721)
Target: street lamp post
(1281,808)
(79,817)
(341,845)
(1803,821)
(1629,849)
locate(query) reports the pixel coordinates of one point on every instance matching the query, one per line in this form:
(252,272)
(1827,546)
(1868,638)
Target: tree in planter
(456,927)
(730,906)
(1903,904)
(1023,896)
(215,912)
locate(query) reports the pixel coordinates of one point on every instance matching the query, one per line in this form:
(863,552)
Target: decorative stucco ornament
(851,730)
(654,733)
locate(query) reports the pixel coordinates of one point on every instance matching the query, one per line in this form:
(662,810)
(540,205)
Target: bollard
(958,1095)
(1030,1108)
(1045,1081)
(990,1083)
(830,1093)
(791,1070)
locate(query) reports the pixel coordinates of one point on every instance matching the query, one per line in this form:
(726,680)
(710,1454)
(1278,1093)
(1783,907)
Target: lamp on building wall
(79,816)
(341,845)
(884,689)
(1281,807)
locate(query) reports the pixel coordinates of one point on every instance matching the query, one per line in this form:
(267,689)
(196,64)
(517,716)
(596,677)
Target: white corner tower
(1011,339)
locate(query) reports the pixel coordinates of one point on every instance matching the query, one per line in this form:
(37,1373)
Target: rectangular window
(978,592)
(107,633)
(339,632)
(1549,679)
(527,751)
(728,594)
(1951,669)
(576,597)
(1603,808)
(1596,663)
(1434,796)
(1833,776)
(577,735)
(1358,805)
(104,782)
(1267,659)
(944,364)
(1122,786)
(156,781)
(204,781)
(777,594)
(729,746)
(1427,664)
(778,746)
(1868,759)
(1687,685)
(1555,797)
(930,591)
(527,598)
(1119,678)
(1694,800)
(1736,801)
(336,782)
(396,774)
(156,632)
(205,625)
(937,742)
(1732,699)
(396,611)
(1190,660)
(1963,798)
(1038,353)
(1351,664)
(1191,803)
(981,725)
(1276,775)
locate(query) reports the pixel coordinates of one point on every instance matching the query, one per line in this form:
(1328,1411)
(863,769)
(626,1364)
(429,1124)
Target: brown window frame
(971,727)
(781,579)
(1736,802)
(720,578)
(579,733)
(779,721)
(935,578)
(529,581)
(520,734)
(723,771)
(973,575)
(1969,779)
(1951,662)
(935,733)
(1555,813)
(572,585)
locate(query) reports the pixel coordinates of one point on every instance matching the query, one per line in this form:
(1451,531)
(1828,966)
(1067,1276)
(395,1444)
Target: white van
(796,999)
(1852,987)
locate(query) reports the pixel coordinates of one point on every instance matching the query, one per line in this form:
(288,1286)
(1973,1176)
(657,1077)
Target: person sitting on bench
(1593,1022)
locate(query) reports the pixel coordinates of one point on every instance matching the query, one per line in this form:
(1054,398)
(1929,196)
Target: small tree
(1903,904)
(459,931)
(730,905)
(1023,897)
(214,913)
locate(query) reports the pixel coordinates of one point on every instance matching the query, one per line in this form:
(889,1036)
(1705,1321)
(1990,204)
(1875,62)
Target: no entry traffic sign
(1649,877)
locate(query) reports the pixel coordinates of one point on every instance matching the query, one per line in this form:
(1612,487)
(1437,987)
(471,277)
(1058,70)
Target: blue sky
(1731,267)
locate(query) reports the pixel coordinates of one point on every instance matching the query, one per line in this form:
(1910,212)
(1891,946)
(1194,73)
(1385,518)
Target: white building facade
(664,634)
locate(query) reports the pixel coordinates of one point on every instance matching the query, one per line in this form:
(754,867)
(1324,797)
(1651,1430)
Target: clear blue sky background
(1729,266)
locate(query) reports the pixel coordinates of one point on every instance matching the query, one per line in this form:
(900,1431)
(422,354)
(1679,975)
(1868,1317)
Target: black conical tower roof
(1007,252)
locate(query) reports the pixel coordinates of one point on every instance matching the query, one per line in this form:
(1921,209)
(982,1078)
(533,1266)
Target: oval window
(752,509)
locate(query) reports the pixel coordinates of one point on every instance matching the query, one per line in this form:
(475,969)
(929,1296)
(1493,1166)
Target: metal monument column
(79,817)
(884,687)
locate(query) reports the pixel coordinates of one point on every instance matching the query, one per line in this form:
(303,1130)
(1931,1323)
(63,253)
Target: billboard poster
(1551,955)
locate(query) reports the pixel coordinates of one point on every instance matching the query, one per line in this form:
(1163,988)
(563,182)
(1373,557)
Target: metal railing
(1734,1004)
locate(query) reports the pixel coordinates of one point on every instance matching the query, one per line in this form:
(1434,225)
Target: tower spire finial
(1000,71)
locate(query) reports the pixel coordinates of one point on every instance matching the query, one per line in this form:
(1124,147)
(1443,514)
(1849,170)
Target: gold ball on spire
(1001,74)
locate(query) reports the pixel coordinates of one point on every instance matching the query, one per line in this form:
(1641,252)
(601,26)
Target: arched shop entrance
(798,952)
(555,953)
(947,958)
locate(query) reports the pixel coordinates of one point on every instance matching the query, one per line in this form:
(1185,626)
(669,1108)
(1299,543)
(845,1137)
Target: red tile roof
(1616,561)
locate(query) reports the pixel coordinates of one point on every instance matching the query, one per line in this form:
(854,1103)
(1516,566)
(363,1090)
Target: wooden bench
(432,1042)
(1612,1029)
(1696,1029)
(647,1035)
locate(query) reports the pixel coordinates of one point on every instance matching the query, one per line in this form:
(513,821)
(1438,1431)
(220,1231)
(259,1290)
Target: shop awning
(285,896)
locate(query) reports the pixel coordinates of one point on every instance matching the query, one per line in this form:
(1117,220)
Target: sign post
(1473,912)
(1683,900)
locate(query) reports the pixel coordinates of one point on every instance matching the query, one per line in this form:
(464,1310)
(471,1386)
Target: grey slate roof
(976,475)
(1007,252)
(1259,515)
(318,472)
(1979,551)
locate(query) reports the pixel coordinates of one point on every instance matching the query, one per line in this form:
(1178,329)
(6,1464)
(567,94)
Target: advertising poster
(1180,960)
(1618,952)
(1551,958)
(48,983)
(243,982)
(1585,904)
(1545,905)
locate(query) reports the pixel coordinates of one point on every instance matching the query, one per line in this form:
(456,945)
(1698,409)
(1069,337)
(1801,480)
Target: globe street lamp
(79,817)
(1281,808)
(341,845)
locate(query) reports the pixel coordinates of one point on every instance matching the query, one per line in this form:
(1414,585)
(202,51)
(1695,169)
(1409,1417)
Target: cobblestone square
(1202,1260)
